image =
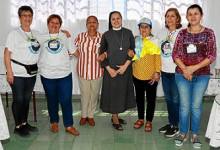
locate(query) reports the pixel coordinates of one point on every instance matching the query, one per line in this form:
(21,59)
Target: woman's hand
(10,77)
(155,78)
(121,69)
(188,72)
(113,73)
(68,35)
(130,53)
(101,57)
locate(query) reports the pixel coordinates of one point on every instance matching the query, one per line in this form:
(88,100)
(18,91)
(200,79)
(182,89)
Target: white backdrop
(211,20)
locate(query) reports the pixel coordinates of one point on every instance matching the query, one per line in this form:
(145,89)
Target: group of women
(185,56)
(180,57)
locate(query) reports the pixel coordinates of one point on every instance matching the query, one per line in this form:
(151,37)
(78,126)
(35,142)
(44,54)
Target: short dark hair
(192,7)
(178,25)
(25,8)
(110,15)
(91,17)
(54,16)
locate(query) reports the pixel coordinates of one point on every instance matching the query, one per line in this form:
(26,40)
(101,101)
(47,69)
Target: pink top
(205,48)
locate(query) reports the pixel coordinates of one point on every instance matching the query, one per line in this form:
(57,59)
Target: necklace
(120,44)
(195,33)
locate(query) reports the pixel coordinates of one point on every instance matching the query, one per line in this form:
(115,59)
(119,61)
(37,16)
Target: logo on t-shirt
(166,48)
(33,44)
(54,46)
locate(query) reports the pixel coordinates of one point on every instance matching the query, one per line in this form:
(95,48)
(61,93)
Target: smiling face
(54,25)
(92,24)
(171,19)
(194,16)
(116,20)
(26,18)
(145,30)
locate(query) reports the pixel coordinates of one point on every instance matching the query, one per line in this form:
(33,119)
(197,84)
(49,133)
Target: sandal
(196,142)
(121,121)
(139,123)
(179,140)
(148,126)
(117,126)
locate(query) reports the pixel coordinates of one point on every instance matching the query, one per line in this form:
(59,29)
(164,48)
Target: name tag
(53,44)
(191,48)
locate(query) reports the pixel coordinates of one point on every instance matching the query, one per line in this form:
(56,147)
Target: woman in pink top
(194,51)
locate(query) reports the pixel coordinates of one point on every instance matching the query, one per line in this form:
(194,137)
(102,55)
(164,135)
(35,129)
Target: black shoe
(30,128)
(164,128)
(171,132)
(21,132)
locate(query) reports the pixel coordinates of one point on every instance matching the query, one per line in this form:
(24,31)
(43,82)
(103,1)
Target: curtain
(75,12)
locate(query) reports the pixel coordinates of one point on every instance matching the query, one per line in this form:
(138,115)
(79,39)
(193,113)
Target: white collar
(116,29)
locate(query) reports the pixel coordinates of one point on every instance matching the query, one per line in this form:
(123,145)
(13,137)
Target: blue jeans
(171,96)
(22,89)
(59,91)
(191,96)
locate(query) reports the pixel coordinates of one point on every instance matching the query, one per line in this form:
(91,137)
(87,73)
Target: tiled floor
(102,136)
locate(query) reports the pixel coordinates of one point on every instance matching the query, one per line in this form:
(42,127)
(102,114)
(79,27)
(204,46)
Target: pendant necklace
(120,44)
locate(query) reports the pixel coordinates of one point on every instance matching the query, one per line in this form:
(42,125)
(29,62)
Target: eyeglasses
(29,16)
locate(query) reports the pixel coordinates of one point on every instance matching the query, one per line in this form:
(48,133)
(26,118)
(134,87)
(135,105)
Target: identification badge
(98,44)
(191,48)
(54,44)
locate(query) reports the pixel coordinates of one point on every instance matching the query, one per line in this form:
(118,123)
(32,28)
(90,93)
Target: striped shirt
(87,66)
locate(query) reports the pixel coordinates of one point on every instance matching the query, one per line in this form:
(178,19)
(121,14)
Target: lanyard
(27,35)
(170,35)
(56,36)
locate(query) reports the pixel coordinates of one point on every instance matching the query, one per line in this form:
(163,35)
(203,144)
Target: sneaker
(30,128)
(21,132)
(172,131)
(164,128)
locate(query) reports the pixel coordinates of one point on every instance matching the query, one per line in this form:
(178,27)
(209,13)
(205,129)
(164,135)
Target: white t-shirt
(22,47)
(54,61)
(166,47)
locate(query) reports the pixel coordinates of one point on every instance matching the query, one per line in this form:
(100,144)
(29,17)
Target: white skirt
(213,129)
(4,133)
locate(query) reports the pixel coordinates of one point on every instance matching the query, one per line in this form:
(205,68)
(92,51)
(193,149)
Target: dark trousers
(143,87)
(172,97)
(22,89)
(59,91)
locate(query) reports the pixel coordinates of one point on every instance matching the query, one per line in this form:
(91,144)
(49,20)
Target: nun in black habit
(117,89)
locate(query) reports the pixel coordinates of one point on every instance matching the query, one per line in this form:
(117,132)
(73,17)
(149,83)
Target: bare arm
(7,57)
(76,54)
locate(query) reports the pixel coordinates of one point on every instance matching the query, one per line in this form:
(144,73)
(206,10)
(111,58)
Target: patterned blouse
(205,48)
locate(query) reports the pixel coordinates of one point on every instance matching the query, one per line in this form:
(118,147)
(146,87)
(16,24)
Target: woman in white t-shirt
(167,39)
(21,55)
(56,75)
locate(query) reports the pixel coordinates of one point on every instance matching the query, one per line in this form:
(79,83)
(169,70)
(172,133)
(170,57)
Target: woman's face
(54,25)
(92,24)
(145,30)
(171,19)
(116,20)
(194,16)
(26,18)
